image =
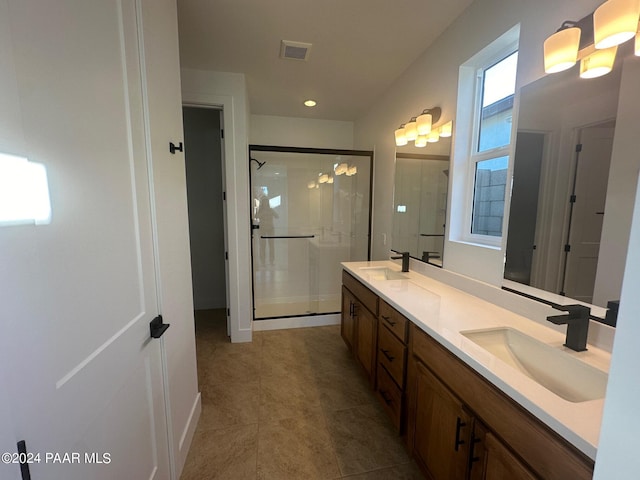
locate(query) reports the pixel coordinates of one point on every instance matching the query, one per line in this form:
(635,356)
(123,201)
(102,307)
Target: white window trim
(470,83)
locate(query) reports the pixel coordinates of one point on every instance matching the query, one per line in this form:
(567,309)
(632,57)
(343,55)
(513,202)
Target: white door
(82,375)
(592,174)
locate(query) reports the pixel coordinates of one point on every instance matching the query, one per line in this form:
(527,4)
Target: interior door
(592,174)
(77,363)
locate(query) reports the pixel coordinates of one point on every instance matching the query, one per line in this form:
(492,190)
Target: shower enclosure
(310,210)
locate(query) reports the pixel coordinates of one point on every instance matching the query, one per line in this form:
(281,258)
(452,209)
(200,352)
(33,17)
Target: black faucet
(405,260)
(577,321)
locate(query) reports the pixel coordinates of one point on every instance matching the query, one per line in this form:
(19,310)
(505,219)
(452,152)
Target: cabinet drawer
(390,396)
(393,319)
(362,293)
(392,354)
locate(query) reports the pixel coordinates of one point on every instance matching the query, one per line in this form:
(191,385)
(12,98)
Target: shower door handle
(287,236)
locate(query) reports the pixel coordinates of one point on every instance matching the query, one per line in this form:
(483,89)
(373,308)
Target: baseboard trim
(296,322)
(188,433)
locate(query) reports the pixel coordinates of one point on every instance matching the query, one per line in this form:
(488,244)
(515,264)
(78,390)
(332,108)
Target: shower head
(260,164)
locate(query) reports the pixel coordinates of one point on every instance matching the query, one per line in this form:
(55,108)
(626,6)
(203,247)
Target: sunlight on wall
(24,192)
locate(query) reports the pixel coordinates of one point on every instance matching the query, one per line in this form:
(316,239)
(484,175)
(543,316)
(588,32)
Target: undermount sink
(382,273)
(552,368)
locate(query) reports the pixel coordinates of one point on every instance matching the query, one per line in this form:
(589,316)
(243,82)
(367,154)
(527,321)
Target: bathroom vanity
(475,390)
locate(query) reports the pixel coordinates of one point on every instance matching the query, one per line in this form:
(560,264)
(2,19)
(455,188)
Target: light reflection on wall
(24,192)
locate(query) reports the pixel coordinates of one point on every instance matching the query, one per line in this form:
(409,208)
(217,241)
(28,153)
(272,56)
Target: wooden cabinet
(359,324)
(392,361)
(445,439)
(449,403)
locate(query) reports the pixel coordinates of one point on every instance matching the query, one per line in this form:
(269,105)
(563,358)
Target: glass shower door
(310,211)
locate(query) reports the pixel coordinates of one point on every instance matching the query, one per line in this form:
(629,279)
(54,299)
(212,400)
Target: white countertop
(443,312)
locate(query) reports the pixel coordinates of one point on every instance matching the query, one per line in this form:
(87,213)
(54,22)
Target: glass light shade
(411,130)
(324,178)
(598,63)
(561,50)
(421,141)
(423,124)
(330,180)
(615,22)
(637,45)
(401,138)
(311,185)
(433,136)
(352,170)
(447,129)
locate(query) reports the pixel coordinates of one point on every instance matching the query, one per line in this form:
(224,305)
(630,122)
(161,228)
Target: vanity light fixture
(599,63)
(421,129)
(421,141)
(401,136)
(352,170)
(446,130)
(561,49)
(323,178)
(411,129)
(613,23)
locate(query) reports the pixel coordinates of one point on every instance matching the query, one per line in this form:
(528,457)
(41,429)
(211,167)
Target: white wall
(300,132)
(228,90)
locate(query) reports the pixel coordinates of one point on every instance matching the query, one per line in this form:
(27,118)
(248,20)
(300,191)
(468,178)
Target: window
(489,159)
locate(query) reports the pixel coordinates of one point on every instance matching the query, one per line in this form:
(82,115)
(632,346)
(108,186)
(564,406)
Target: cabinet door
(442,429)
(501,464)
(347,324)
(366,326)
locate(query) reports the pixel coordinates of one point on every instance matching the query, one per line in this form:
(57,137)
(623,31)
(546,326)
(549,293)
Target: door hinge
(226,255)
(173,148)
(578,148)
(572,199)
(157,327)
(228,312)
(221,133)
(567,248)
(224,196)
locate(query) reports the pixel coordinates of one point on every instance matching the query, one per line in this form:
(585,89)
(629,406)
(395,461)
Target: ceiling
(359,48)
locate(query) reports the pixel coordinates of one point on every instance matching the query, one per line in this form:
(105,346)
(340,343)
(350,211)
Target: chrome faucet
(405,260)
(577,321)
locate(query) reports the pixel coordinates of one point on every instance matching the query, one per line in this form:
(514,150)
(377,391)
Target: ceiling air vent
(294,50)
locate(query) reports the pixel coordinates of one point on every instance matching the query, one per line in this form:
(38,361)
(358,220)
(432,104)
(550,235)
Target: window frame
(494,56)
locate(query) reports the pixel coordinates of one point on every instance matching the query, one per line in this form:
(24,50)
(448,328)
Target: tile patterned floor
(290,405)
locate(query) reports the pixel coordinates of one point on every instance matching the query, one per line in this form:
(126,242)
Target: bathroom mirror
(420,201)
(559,237)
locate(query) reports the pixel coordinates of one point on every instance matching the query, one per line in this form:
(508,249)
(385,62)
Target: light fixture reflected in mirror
(341,169)
(421,130)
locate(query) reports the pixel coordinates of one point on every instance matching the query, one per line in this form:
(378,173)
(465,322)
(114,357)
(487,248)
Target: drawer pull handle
(472,457)
(459,425)
(386,354)
(385,397)
(388,320)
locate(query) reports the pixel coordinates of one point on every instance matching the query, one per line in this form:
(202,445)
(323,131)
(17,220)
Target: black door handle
(157,328)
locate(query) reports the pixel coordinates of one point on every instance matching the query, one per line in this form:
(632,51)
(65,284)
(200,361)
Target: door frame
(308,150)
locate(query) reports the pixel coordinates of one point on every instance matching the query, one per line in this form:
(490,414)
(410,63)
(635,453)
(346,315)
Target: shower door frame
(303,150)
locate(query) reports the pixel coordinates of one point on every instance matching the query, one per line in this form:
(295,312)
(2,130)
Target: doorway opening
(310,211)
(207,225)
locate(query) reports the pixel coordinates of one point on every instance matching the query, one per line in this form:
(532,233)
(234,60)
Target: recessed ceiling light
(310,103)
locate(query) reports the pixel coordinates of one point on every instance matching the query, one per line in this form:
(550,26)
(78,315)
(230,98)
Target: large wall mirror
(559,240)
(420,201)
